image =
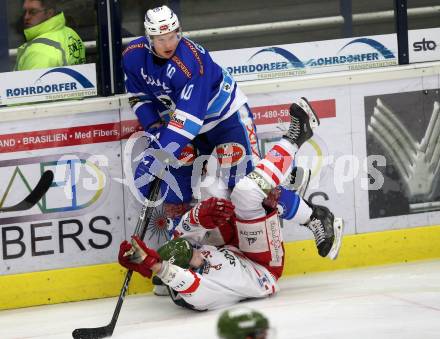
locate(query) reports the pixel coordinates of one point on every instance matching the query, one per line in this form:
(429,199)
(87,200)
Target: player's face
(34,13)
(165,45)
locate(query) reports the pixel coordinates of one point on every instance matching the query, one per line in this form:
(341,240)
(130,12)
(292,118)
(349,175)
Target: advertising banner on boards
(298,59)
(405,128)
(424,45)
(68,82)
(395,124)
(80,220)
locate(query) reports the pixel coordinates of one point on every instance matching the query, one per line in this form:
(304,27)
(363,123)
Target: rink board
(65,248)
(100,281)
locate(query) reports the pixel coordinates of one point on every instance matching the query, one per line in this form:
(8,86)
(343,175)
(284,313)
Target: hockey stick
(37,193)
(140,230)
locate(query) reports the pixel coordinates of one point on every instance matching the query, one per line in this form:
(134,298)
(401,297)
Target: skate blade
(338,226)
(313,117)
(301,189)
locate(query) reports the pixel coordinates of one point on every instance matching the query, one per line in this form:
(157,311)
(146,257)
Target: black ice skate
(303,120)
(327,231)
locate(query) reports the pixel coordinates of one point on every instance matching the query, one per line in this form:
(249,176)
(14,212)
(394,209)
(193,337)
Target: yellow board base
(100,281)
(369,249)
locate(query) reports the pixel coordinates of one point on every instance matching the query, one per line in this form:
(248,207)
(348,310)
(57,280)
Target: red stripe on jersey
(194,286)
(258,273)
(271,174)
(253,221)
(281,150)
(280,158)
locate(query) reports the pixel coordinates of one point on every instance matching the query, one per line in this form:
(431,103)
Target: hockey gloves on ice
(136,256)
(212,213)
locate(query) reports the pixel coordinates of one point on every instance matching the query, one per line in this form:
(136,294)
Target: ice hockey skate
(327,231)
(303,120)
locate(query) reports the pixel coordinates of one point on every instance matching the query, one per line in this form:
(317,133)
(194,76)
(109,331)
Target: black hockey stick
(140,230)
(37,193)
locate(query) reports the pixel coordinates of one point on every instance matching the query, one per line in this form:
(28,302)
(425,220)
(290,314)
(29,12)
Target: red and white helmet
(160,20)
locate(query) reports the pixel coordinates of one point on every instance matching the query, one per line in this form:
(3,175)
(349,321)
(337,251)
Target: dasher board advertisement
(80,220)
(309,57)
(58,83)
(424,45)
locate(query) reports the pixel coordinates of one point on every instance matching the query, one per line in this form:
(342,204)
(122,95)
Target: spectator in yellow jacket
(49,42)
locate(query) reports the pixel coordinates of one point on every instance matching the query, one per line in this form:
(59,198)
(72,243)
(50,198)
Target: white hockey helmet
(160,20)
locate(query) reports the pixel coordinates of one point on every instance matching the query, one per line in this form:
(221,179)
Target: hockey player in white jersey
(207,277)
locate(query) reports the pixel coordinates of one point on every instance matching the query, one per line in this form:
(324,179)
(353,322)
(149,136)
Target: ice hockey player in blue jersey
(193,107)
(181,94)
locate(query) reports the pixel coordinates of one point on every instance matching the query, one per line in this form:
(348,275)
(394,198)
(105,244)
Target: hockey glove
(155,163)
(271,201)
(136,256)
(212,213)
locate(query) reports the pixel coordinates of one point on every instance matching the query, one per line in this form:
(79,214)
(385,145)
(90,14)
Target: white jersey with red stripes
(226,278)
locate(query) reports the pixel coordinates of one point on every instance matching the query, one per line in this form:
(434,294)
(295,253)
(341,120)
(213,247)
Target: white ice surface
(398,301)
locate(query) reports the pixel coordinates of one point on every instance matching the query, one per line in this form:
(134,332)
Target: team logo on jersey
(251,236)
(177,120)
(251,240)
(230,154)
